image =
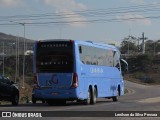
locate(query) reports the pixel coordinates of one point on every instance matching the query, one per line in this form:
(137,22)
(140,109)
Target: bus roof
(90,43)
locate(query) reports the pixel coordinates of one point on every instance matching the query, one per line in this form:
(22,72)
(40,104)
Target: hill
(11,38)
(10,44)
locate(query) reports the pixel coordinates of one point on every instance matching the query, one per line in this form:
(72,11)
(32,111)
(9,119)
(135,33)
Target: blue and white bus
(67,70)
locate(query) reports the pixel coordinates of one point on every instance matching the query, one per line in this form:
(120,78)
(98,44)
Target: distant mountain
(9,43)
(4,37)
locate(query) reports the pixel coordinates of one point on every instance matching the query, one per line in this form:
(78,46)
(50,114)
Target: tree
(157,46)
(128,45)
(152,47)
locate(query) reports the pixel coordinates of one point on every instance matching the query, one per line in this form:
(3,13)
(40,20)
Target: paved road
(139,98)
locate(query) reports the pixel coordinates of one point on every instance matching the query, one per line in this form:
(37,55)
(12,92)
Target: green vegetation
(125,91)
(143,68)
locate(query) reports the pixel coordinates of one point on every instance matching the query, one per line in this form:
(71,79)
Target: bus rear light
(71,41)
(39,42)
(75,81)
(36,86)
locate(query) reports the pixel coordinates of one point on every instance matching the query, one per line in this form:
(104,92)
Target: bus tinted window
(54,57)
(97,56)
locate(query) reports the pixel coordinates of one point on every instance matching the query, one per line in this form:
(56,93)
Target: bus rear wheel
(94,96)
(56,102)
(34,100)
(50,102)
(88,100)
(61,102)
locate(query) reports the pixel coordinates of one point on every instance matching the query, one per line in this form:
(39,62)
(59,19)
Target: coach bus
(68,70)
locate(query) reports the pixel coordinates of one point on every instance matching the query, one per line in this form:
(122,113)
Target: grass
(144,78)
(125,91)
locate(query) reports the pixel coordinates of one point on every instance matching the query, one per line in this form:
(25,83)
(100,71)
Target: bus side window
(80,49)
(116,60)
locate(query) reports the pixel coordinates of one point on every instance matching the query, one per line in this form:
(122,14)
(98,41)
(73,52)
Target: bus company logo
(53,80)
(6,114)
(96,70)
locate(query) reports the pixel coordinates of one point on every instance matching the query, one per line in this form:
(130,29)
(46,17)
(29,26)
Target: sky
(107,21)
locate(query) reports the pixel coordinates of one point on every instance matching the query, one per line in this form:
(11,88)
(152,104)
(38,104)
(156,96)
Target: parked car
(8,91)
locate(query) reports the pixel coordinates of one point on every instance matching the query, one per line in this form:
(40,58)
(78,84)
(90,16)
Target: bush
(144,60)
(144,78)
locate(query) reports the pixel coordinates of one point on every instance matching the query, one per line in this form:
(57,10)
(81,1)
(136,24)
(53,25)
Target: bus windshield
(54,56)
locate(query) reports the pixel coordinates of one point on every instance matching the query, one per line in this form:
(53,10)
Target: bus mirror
(80,49)
(124,66)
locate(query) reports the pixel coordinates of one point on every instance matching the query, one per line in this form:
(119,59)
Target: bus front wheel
(115,98)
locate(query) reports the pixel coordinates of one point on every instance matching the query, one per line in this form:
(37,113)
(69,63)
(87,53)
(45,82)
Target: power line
(92,11)
(84,11)
(89,21)
(37,19)
(51,17)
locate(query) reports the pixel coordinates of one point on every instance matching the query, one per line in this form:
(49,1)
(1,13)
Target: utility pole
(3,58)
(138,44)
(128,43)
(154,48)
(16,59)
(24,49)
(18,56)
(23,24)
(143,42)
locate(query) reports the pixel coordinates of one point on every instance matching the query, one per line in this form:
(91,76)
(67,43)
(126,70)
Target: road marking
(150,100)
(130,91)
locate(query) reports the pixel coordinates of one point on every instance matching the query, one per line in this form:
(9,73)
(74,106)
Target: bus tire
(43,101)
(94,96)
(34,100)
(50,102)
(115,98)
(61,102)
(88,100)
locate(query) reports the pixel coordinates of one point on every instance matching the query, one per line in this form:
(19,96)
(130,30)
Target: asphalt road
(140,98)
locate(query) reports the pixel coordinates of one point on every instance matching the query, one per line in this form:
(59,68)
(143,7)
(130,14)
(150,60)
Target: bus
(69,70)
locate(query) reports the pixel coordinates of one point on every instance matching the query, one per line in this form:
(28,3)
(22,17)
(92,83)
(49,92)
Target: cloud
(138,1)
(133,18)
(65,4)
(67,9)
(10,3)
(75,19)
